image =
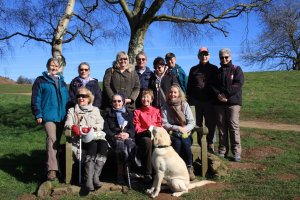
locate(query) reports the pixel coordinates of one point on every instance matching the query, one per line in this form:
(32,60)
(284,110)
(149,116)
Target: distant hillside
(4,80)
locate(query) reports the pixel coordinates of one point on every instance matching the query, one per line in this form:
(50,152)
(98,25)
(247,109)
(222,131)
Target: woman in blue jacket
(49,105)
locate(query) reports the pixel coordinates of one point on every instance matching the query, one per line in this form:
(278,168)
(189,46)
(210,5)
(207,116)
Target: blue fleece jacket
(49,101)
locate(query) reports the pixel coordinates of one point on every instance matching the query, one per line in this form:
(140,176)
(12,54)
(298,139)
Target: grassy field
(270,167)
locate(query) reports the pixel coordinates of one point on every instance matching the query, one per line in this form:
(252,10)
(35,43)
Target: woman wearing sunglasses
(121,78)
(228,89)
(120,134)
(84,80)
(85,121)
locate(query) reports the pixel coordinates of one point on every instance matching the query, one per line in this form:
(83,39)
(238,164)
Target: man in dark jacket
(144,74)
(84,80)
(228,89)
(176,70)
(199,92)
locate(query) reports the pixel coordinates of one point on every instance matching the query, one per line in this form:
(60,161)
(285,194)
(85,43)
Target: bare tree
(186,16)
(278,45)
(49,22)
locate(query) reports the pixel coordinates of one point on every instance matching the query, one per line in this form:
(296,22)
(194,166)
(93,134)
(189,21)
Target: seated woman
(177,117)
(119,130)
(85,120)
(144,119)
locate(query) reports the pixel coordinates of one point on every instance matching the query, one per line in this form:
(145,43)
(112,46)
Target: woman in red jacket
(144,119)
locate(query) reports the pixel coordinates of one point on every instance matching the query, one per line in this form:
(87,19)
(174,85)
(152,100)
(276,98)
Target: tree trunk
(136,44)
(60,32)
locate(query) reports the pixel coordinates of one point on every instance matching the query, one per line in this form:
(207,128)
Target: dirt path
(270,126)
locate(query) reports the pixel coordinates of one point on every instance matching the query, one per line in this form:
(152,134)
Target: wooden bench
(202,132)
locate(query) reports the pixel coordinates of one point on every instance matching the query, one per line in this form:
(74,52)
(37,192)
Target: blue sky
(29,60)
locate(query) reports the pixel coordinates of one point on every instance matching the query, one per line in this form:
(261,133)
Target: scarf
(86,108)
(177,112)
(119,115)
(85,81)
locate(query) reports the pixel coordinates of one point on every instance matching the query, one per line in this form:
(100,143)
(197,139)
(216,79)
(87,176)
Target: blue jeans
(183,147)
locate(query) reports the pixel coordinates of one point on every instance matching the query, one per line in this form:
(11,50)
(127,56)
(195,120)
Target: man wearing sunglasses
(84,80)
(199,92)
(228,89)
(144,74)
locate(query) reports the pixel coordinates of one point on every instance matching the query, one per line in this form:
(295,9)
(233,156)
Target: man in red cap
(199,93)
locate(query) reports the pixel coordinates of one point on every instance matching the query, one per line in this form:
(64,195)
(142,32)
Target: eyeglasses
(122,59)
(115,101)
(83,70)
(222,57)
(204,54)
(141,59)
(82,96)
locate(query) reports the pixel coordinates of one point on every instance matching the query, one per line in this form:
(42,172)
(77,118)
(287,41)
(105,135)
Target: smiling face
(84,71)
(171,62)
(159,69)
(174,93)
(225,58)
(204,57)
(141,61)
(53,68)
(82,99)
(147,100)
(123,61)
(117,102)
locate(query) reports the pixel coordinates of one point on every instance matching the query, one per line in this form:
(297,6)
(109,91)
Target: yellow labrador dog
(169,166)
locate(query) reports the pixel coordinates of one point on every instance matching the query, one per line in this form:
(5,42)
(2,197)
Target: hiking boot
(191,173)
(237,159)
(51,176)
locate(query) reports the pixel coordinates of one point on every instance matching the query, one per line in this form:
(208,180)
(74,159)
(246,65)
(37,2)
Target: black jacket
(92,85)
(229,81)
(111,126)
(200,83)
(164,86)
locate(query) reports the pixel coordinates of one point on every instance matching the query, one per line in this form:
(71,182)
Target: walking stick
(80,151)
(128,176)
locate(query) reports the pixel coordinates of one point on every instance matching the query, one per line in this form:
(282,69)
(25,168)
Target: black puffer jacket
(229,81)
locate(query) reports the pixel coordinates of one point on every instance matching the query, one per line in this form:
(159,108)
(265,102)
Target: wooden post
(202,132)
(69,159)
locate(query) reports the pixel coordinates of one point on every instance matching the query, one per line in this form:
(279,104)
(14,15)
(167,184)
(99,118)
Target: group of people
(132,102)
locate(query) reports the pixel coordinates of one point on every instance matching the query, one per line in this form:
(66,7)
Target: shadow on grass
(25,168)
(16,115)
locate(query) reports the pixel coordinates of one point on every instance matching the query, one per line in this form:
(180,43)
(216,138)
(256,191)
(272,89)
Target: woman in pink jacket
(144,119)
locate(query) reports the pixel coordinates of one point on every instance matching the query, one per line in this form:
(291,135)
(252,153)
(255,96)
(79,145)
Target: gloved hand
(75,130)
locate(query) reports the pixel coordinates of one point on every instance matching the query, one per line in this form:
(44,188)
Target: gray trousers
(53,134)
(228,124)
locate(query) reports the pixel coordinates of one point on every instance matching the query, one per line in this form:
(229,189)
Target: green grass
(18,88)
(269,96)
(272,96)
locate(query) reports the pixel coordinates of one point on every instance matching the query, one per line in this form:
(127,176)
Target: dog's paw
(178,194)
(150,191)
(154,195)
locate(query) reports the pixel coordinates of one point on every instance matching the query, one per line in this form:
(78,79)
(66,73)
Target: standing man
(200,94)
(144,74)
(228,89)
(176,70)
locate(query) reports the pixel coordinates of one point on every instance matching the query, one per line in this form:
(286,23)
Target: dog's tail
(199,184)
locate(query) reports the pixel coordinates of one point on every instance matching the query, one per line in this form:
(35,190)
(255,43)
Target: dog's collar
(162,146)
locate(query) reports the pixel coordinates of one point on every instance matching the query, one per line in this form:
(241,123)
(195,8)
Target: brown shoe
(191,173)
(51,176)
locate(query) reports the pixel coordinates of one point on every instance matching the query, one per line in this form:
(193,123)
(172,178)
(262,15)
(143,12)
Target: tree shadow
(25,168)
(16,115)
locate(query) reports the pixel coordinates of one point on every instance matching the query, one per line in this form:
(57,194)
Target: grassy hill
(272,96)
(267,96)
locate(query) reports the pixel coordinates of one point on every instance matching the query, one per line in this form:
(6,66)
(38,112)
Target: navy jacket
(144,84)
(92,85)
(111,125)
(48,101)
